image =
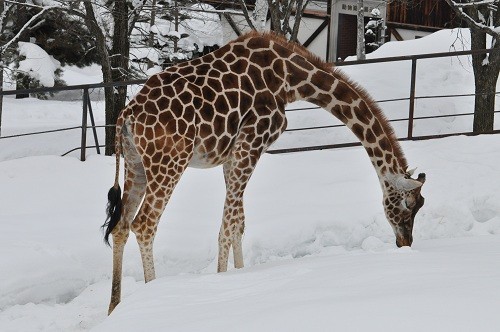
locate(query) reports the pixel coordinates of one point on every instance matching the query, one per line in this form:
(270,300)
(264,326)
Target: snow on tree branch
(490,5)
(30,21)
(246,14)
(474,3)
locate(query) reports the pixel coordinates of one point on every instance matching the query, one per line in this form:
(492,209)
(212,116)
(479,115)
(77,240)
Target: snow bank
(37,63)
(316,242)
(437,287)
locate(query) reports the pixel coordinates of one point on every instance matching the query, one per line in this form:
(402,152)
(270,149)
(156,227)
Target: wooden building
(417,18)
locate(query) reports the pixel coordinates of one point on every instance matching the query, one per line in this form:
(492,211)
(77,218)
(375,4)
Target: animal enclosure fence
(409,119)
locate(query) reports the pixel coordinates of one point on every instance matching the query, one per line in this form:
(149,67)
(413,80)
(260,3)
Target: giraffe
(226,108)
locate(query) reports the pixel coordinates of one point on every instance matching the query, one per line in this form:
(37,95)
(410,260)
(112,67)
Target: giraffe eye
(408,203)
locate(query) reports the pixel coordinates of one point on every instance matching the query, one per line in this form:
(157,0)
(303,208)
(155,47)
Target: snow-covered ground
(319,253)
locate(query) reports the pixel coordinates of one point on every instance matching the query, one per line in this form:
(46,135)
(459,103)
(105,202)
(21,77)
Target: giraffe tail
(114,207)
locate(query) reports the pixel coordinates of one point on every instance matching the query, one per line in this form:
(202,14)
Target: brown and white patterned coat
(226,108)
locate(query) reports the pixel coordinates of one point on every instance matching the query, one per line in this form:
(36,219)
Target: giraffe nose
(404,241)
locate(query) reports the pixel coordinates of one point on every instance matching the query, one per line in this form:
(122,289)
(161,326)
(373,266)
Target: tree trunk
(484,106)
(360,48)
(21,17)
(485,76)
(275,11)
(2,42)
(299,10)
(482,18)
(119,64)
(260,14)
(109,100)
(151,40)
(1,96)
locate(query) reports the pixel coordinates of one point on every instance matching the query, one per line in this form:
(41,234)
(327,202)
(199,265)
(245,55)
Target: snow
(486,60)
(354,292)
(74,75)
(37,63)
(375,12)
(319,253)
(204,28)
(46,3)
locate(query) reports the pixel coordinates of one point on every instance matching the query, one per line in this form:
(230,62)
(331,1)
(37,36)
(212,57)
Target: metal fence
(87,112)
(412,98)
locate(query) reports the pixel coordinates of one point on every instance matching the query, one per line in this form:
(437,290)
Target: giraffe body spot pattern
(226,108)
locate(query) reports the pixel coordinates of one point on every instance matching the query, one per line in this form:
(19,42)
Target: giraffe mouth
(404,241)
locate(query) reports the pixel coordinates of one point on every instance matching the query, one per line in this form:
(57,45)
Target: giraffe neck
(356,109)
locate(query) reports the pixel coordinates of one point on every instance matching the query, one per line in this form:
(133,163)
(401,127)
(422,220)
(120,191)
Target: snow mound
(38,64)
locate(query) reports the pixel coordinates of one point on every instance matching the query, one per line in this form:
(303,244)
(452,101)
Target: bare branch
(246,14)
(474,3)
(31,20)
(23,4)
(473,24)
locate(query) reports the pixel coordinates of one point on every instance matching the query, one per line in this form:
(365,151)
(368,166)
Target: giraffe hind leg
(133,192)
(159,188)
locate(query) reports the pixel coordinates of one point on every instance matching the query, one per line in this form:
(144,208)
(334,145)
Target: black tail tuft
(114,211)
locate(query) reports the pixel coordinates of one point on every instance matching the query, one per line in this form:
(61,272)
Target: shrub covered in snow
(36,68)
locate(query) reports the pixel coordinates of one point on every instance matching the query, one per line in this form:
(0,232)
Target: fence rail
(87,112)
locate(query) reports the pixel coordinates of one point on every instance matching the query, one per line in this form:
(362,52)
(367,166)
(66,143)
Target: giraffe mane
(330,68)
(379,114)
(293,46)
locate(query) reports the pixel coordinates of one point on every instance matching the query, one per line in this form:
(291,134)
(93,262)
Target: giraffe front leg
(224,246)
(230,234)
(253,139)
(237,173)
(239,228)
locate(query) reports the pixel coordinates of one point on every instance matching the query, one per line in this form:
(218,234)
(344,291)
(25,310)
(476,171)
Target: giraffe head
(402,200)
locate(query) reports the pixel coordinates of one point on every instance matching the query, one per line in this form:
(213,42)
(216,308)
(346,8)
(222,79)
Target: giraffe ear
(409,184)
(411,171)
(401,183)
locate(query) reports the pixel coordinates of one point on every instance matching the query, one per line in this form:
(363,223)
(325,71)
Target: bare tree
(112,22)
(360,45)
(283,13)
(483,19)
(2,25)
(260,14)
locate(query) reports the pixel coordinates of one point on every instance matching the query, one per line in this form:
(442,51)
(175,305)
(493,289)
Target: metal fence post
(412,97)
(92,122)
(83,146)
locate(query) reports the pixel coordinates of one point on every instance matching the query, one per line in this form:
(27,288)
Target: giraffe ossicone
(226,108)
